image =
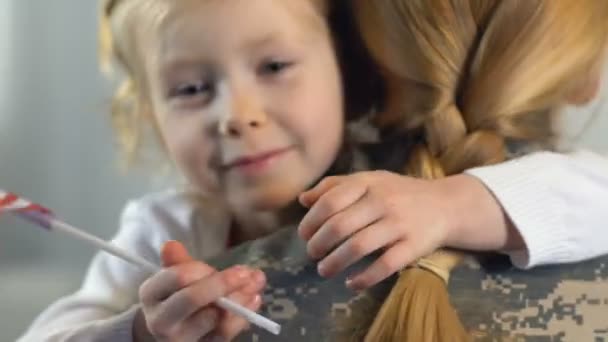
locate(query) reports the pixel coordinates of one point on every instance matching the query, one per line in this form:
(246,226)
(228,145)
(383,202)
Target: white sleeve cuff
(525,193)
(118,328)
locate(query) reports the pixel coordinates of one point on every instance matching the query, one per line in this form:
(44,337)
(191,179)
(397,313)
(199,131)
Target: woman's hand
(406,218)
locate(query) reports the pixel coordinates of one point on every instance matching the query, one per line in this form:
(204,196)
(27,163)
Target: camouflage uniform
(494,300)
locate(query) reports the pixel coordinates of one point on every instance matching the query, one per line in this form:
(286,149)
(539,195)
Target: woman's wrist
(477,220)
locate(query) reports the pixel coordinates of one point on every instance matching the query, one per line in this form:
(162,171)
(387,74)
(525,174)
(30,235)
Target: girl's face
(248,97)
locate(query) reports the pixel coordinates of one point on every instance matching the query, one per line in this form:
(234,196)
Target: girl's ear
(585,93)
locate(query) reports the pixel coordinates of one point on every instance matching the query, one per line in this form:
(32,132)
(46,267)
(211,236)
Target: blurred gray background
(56,147)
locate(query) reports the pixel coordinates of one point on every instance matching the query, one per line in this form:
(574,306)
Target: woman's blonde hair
(474,76)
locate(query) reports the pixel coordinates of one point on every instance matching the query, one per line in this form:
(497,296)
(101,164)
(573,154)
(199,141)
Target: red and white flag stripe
(12,202)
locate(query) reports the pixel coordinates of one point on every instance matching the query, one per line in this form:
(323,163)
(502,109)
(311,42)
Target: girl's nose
(243,113)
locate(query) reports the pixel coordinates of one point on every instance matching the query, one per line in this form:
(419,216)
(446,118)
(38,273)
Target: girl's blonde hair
(474,76)
(122,24)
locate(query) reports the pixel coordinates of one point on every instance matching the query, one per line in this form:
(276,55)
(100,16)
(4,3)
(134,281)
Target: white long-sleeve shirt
(558,202)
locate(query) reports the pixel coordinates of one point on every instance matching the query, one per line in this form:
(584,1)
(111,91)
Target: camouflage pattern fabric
(495,301)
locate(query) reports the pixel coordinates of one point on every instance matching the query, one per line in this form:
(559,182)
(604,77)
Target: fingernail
(351,285)
(255,300)
(302,199)
(241,271)
(259,276)
(302,235)
(321,268)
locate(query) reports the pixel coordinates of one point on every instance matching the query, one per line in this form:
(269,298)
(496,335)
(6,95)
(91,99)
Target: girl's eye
(274,67)
(191,90)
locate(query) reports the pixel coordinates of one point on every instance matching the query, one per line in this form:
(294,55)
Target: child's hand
(177,303)
(407,218)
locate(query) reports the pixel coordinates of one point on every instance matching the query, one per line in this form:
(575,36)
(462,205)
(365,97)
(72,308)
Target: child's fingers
(173,252)
(340,226)
(308,198)
(256,285)
(170,280)
(250,297)
(202,293)
(180,271)
(363,243)
(200,324)
(232,325)
(330,203)
(393,260)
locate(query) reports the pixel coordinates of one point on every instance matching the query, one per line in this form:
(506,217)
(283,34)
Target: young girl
(248,102)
